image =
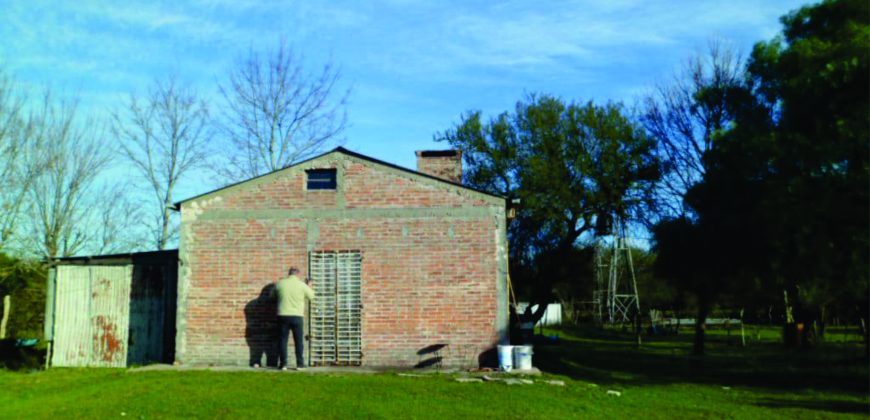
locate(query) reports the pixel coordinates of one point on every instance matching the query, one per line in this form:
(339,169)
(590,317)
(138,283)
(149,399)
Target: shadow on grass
(835,406)
(611,357)
(17,358)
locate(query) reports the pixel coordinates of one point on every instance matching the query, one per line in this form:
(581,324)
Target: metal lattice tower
(616,290)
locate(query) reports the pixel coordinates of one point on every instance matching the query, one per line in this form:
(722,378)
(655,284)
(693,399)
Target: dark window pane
(321,179)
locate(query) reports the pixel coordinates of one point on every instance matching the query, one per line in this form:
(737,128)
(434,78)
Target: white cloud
(558,38)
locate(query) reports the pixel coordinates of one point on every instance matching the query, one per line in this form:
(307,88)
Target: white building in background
(552,315)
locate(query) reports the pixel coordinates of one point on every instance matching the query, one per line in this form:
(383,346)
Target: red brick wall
(363,189)
(426,280)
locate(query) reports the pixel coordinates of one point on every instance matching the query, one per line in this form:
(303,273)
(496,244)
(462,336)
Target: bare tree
(685,115)
(117,222)
(164,135)
(22,156)
(59,194)
(276,113)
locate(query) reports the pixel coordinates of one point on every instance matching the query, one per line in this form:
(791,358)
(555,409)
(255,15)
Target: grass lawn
(658,381)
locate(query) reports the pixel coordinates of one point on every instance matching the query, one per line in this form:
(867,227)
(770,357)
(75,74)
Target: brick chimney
(444,164)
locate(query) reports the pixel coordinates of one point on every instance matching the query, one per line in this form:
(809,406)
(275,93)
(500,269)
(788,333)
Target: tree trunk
(638,327)
(864,333)
(820,333)
(792,330)
(164,230)
(866,338)
(701,325)
(805,323)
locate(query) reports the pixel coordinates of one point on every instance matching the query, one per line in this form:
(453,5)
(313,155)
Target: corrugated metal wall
(91,315)
(112,310)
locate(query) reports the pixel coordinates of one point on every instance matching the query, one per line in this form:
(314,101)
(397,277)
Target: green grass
(658,381)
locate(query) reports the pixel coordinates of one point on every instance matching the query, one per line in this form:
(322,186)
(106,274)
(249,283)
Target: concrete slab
(515,372)
(312,370)
(468,380)
(408,372)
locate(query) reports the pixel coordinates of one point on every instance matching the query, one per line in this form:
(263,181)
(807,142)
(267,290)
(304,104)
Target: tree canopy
(783,203)
(815,78)
(574,166)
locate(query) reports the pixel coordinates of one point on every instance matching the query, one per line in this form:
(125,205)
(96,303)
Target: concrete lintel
(351,214)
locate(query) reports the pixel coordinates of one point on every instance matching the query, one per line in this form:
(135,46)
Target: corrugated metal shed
(91,315)
(112,311)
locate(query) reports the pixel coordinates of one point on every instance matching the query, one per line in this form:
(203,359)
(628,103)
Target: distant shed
(112,310)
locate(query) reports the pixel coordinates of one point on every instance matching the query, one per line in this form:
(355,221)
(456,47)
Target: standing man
(292,294)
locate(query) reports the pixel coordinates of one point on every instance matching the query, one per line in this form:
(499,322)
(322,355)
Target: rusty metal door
(91,315)
(335,320)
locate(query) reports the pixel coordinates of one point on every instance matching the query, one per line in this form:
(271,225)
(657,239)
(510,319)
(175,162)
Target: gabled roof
(342,150)
(167,253)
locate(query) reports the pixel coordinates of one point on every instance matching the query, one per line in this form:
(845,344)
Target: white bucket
(505,358)
(523,357)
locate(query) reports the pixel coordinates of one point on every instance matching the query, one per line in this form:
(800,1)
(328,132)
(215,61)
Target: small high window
(321,179)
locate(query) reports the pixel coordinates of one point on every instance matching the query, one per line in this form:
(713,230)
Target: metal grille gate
(336,329)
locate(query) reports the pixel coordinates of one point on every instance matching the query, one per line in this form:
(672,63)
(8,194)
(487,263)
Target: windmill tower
(615,297)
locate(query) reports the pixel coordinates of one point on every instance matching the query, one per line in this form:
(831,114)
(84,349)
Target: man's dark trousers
(285,325)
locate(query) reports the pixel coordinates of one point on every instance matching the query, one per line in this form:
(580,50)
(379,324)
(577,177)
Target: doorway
(335,314)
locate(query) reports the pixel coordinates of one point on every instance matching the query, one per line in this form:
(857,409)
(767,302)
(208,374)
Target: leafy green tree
(784,200)
(815,78)
(655,291)
(24,282)
(678,250)
(574,166)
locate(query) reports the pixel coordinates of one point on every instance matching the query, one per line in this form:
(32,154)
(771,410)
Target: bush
(24,282)
(13,357)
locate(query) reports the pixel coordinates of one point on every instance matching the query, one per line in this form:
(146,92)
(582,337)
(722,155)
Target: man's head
(293,271)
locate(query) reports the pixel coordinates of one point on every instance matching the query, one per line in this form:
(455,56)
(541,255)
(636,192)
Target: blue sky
(413,66)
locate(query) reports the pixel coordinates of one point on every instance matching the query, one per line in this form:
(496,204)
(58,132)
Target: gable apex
(348,153)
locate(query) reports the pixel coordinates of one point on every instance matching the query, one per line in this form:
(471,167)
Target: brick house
(409,267)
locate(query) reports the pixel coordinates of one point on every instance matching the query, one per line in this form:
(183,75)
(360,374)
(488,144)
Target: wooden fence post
(7,301)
